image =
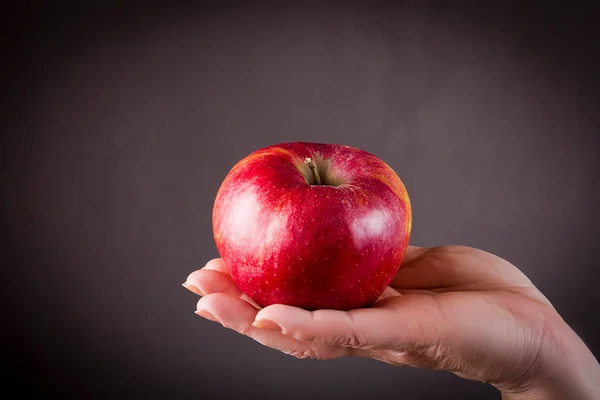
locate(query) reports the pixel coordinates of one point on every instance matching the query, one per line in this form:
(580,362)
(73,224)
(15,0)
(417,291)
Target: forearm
(573,372)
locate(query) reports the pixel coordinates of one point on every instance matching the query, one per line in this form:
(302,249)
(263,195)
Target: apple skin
(287,241)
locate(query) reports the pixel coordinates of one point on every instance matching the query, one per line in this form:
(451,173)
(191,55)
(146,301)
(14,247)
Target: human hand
(450,308)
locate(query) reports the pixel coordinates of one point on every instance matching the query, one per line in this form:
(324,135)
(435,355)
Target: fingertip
(208,281)
(267,324)
(192,276)
(280,313)
(192,288)
(217,264)
(387,293)
(410,249)
(412,253)
(233,312)
(213,300)
(205,314)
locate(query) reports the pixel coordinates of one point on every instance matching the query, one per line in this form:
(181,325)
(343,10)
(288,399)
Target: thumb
(385,326)
(356,328)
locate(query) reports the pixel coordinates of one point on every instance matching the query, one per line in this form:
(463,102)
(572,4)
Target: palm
(472,294)
(445,307)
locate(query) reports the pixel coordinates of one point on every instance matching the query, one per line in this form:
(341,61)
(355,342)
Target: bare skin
(450,308)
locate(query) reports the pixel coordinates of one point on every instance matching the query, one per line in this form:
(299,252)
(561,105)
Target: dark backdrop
(122,119)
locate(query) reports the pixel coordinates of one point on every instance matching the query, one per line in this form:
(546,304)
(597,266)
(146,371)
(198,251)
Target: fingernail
(207,315)
(192,288)
(267,324)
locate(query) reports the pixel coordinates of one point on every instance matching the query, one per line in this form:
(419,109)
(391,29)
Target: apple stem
(313,168)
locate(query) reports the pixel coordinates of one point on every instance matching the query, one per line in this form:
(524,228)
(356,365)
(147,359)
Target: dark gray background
(123,119)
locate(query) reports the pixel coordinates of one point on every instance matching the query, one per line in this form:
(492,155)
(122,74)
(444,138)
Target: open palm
(451,307)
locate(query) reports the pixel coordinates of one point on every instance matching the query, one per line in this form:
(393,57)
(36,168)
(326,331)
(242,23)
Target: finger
(207,281)
(397,323)
(215,278)
(457,268)
(388,292)
(413,252)
(381,327)
(231,311)
(217,264)
(192,281)
(294,347)
(238,315)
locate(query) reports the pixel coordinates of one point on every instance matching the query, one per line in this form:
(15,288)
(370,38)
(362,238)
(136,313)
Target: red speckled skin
(289,242)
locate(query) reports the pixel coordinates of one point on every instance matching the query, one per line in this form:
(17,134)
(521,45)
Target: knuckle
(388,356)
(434,356)
(246,331)
(301,353)
(348,340)
(304,336)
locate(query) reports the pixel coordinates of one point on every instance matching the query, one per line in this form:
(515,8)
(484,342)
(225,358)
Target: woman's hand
(451,308)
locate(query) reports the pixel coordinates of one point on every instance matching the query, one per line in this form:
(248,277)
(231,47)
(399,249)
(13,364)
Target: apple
(316,226)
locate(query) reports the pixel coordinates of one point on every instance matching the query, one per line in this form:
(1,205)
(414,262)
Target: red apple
(317,226)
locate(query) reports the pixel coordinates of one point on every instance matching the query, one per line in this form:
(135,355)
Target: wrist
(565,369)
